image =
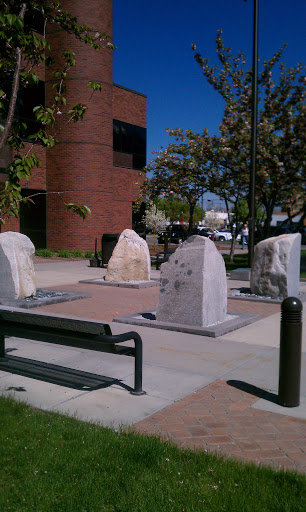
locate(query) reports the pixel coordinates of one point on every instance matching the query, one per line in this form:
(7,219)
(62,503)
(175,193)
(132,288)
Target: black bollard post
(290,353)
(95,262)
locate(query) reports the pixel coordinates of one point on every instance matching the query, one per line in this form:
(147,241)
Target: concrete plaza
(214,394)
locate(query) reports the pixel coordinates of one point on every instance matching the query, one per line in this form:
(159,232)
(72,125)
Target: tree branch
(15,87)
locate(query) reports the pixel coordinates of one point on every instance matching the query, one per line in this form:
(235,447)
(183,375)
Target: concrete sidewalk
(201,392)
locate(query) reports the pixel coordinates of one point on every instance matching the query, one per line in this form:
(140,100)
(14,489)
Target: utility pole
(253,137)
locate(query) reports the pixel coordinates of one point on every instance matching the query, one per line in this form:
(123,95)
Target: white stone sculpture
(17,275)
(130,260)
(276,267)
(193,285)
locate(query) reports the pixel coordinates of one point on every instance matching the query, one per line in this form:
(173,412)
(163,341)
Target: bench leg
(138,366)
(2,346)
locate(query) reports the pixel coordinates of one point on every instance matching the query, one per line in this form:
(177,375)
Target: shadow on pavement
(254,390)
(59,375)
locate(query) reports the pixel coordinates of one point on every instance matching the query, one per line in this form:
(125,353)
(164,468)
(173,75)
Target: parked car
(207,234)
(283,231)
(174,236)
(205,228)
(222,234)
(202,232)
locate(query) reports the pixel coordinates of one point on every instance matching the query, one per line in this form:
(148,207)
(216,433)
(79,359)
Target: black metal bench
(163,256)
(70,332)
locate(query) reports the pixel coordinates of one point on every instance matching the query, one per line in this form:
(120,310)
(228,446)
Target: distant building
(215,219)
(98,161)
(279,217)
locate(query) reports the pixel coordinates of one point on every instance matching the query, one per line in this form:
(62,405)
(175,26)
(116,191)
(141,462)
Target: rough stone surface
(276,266)
(130,260)
(193,285)
(17,275)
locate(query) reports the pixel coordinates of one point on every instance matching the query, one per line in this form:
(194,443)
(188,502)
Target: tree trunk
(191,212)
(267,224)
(15,87)
(232,250)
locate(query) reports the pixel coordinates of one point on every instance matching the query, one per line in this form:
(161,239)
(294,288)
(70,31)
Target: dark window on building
(33,217)
(35,21)
(27,99)
(131,140)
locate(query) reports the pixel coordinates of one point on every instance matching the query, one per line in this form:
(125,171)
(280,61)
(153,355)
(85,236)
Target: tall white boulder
(17,275)
(130,260)
(276,266)
(193,287)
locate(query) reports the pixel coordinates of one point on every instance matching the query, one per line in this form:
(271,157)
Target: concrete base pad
(147,319)
(246,294)
(241,274)
(123,284)
(44,298)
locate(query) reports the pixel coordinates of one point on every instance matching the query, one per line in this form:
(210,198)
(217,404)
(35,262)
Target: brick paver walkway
(220,418)
(108,302)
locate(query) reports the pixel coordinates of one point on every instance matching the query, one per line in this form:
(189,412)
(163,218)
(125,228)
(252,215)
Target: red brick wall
(12,224)
(81,167)
(81,164)
(129,106)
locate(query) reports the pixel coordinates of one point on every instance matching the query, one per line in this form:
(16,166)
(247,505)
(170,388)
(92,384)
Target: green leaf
(80,210)
(96,86)
(10,18)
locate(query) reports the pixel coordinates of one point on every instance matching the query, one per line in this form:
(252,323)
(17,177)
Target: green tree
(23,52)
(241,211)
(174,207)
(180,170)
(280,177)
(178,210)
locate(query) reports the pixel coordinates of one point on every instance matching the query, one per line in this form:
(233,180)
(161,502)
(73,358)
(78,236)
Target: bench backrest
(52,322)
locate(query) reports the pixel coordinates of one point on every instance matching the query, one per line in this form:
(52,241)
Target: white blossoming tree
(155,219)
(280,163)
(212,220)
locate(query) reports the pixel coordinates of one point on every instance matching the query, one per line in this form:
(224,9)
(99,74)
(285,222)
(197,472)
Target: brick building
(98,160)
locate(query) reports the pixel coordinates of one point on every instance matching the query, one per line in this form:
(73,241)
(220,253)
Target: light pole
(253,136)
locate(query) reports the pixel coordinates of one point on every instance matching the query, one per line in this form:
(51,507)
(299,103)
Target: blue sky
(154,53)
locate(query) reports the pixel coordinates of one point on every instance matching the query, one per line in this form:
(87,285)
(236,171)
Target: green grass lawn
(303,256)
(53,463)
(240,261)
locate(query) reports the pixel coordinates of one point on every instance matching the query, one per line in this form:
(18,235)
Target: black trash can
(108,242)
